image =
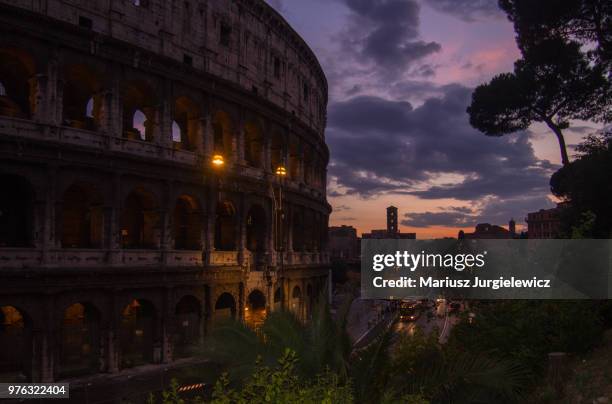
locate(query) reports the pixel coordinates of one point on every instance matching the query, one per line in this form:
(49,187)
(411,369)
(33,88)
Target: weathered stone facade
(120,244)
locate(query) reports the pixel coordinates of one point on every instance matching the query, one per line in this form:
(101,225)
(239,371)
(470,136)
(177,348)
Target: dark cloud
(467,10)
(492,210)
(385,33)
(342,208)
(431,151)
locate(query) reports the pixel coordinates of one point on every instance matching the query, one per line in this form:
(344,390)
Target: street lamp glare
(218,160)
(281,171)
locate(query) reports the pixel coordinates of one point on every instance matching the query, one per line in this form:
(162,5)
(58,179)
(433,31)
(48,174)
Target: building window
(140,3)
(306,91)
(225,35)
(188,60)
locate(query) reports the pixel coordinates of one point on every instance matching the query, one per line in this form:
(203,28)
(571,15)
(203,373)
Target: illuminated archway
(79,351)
(136,333)
(15,345)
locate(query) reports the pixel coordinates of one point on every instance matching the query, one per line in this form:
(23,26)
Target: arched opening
(255,310)
(186,125)
(256,227)
(81,97)
(187,224)
(223,134)
(298,232)
(253,144)
(296,297)
(137,330)
(139,221)
(16,212)
(80,340)
(16,69)
(15,345)
(277,151)
(278,299)
(188,319)
(82,217)
(225,307)
(139,111)
(225,227)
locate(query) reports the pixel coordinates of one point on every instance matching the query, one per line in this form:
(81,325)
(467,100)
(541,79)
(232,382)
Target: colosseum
(163,166)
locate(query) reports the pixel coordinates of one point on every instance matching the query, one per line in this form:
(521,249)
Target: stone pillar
(211,216)
(166,241)
(162,135)
(239,145)
(208,139)
(115,232)
(267,153)
(301,167)
(47,95)
(241,232)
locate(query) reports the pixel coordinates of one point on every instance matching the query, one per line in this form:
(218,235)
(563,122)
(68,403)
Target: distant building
(343,243)
(490,231)
(545,223)
(392,230)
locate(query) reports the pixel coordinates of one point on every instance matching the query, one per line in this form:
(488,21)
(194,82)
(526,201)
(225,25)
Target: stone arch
(137,333)
(223,134)
(16,69)
(79,350)
(81,97)
(296,300)
(256,229)
(253,144)
(16,212)
(278,298)
(82,217)
(225,306)
(187,223)
(187,119)
(255,311)
(139,220)
(15,345)
(139,111)
(225,226)
(188,316)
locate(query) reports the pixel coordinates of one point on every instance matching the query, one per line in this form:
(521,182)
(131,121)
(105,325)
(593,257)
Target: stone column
(115,232)
(239,145)
(47,94)
(267,153)
(242,229)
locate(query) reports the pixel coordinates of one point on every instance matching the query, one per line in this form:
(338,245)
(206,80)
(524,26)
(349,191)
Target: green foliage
(526,331)
(586,183)
(282,385)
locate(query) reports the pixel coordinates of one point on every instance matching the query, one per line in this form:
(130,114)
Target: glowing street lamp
(218,160)
(281,171)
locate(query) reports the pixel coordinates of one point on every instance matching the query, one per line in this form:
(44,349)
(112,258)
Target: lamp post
(217,162)
(281,173)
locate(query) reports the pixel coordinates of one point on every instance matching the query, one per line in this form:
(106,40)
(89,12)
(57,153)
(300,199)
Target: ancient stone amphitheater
(121,241)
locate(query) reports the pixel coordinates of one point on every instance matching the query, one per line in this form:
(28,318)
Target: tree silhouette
(552,83)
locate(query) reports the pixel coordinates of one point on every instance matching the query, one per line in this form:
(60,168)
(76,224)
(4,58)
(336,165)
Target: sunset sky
(400,74)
